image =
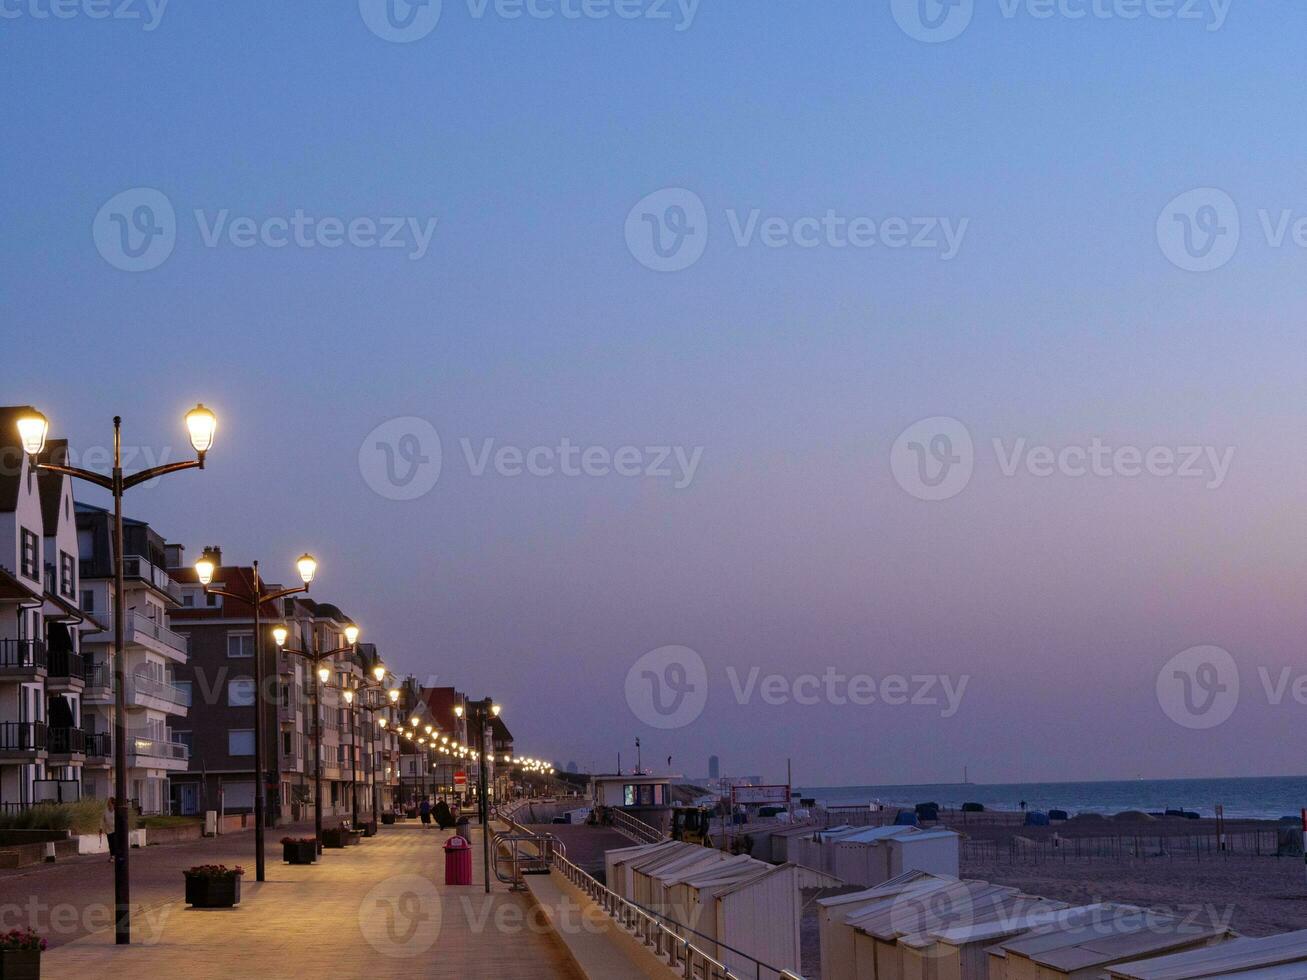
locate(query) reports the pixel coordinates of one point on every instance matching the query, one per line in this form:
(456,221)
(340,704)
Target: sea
(1261,797)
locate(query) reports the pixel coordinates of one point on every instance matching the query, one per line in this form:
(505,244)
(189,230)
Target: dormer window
(31,555)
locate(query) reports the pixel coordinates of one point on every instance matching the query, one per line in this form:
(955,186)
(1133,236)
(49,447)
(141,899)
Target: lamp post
(321,674)
(256,596)
(371,699)
(32,428)
(481,712)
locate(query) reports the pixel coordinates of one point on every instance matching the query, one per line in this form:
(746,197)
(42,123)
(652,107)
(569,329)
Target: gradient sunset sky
(1060,319)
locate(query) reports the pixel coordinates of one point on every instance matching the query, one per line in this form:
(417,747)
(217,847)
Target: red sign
(460,779)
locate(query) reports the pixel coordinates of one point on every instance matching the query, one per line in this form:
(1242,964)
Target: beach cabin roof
(913,913)
(1284,955)
(1116,934)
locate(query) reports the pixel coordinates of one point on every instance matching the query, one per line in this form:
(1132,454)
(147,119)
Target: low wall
(173,835)
(23,855)
(15,838)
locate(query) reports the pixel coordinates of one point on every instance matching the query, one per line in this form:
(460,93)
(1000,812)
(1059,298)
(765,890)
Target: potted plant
(20,955)
(213,886)
(334,837)
(387,817)
(299,850)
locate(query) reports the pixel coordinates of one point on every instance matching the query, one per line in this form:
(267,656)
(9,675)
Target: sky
(949,345)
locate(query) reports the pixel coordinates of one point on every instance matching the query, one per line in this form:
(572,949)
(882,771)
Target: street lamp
(201,424)
(321,674)
(256,596)
(480,713)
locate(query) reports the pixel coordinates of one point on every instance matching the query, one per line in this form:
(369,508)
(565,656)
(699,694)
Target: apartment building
(155,659)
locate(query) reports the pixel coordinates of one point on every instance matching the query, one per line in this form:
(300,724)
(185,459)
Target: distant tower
(714,767)
(571,766)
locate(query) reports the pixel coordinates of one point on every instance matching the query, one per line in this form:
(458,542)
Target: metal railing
(144,685)
(99,745)
(679,953)
(512,849)
(152,628)
(98,675)
(20,654)
(157,748)
(632,826)
(66,741)
(136,566)
(22,736)
(67,663)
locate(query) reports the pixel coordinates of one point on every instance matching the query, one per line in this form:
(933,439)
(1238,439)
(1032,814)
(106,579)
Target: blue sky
(528,320)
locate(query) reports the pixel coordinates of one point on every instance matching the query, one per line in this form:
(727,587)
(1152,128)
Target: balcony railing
(66,663)
(22,736)
(99,675)
(143,685)
(134,566)
(136,626)
(23,654)
(99,745)
(66,741)
(156,748)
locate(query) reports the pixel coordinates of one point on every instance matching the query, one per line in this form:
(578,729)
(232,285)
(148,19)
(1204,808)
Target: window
(240,645)
(212,599)
(184,738)
(240,692)
(88,601)
(240,741)
(642,794)
(188,599)
(285,743)
(31,559)
(185,687)
(67,576)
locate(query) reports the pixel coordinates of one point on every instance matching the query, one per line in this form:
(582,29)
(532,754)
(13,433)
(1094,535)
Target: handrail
(634,826)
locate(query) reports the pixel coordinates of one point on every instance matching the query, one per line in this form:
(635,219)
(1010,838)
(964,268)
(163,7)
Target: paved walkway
(380,909)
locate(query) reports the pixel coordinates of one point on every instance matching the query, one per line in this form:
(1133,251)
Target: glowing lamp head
(458,711)
(308,567)
(205,566)
(413,722)
(349,695)
(494,710)
(351,634)
(324,674)
(427,729)
(279,634)
(379,672)
(201,424)
(393,694)
(32,427)
(381,722)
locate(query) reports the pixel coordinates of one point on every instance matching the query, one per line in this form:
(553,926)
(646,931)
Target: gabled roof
(52,484)
(12,588)
(11,450)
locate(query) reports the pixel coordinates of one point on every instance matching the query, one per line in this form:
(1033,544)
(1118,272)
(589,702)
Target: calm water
(1258,796)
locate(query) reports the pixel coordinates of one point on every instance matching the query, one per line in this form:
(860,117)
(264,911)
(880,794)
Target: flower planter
(334,837)
(20,964)
(369,830)
(212,891)
(387,818)
(352,836)
(299,852)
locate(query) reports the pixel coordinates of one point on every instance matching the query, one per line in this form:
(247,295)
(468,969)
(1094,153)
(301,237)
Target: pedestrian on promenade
(108,823)
(424,811)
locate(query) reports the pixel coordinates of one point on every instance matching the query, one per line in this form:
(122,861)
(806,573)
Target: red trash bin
(458,861)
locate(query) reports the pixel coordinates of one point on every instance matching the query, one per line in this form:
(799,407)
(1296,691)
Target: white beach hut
(1263,958)
(836,938)
(646,892)
(935,851)
(1084,947)
(618,861)
(813,849)
(760,917)
(860,859)
(780,841)
(692,901)
(657,881)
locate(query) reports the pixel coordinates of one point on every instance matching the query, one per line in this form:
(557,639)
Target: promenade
(379,909)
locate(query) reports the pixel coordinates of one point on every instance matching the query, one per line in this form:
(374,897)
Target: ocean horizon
(1256,797)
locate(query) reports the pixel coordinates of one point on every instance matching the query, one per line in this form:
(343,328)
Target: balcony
(99,683)
(155,753)
(65,742)
(22,659)
(99,747)
(143,690)
(145,632)
(22,740)
(67,667)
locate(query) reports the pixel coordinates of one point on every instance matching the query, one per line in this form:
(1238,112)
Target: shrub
(82,817)
(299,840)
(24,939)
(214,871)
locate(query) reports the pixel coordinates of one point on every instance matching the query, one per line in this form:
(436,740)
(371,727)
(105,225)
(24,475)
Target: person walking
(424,811)
(108,824)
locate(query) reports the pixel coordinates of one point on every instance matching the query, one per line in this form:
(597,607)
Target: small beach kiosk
(643,796)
